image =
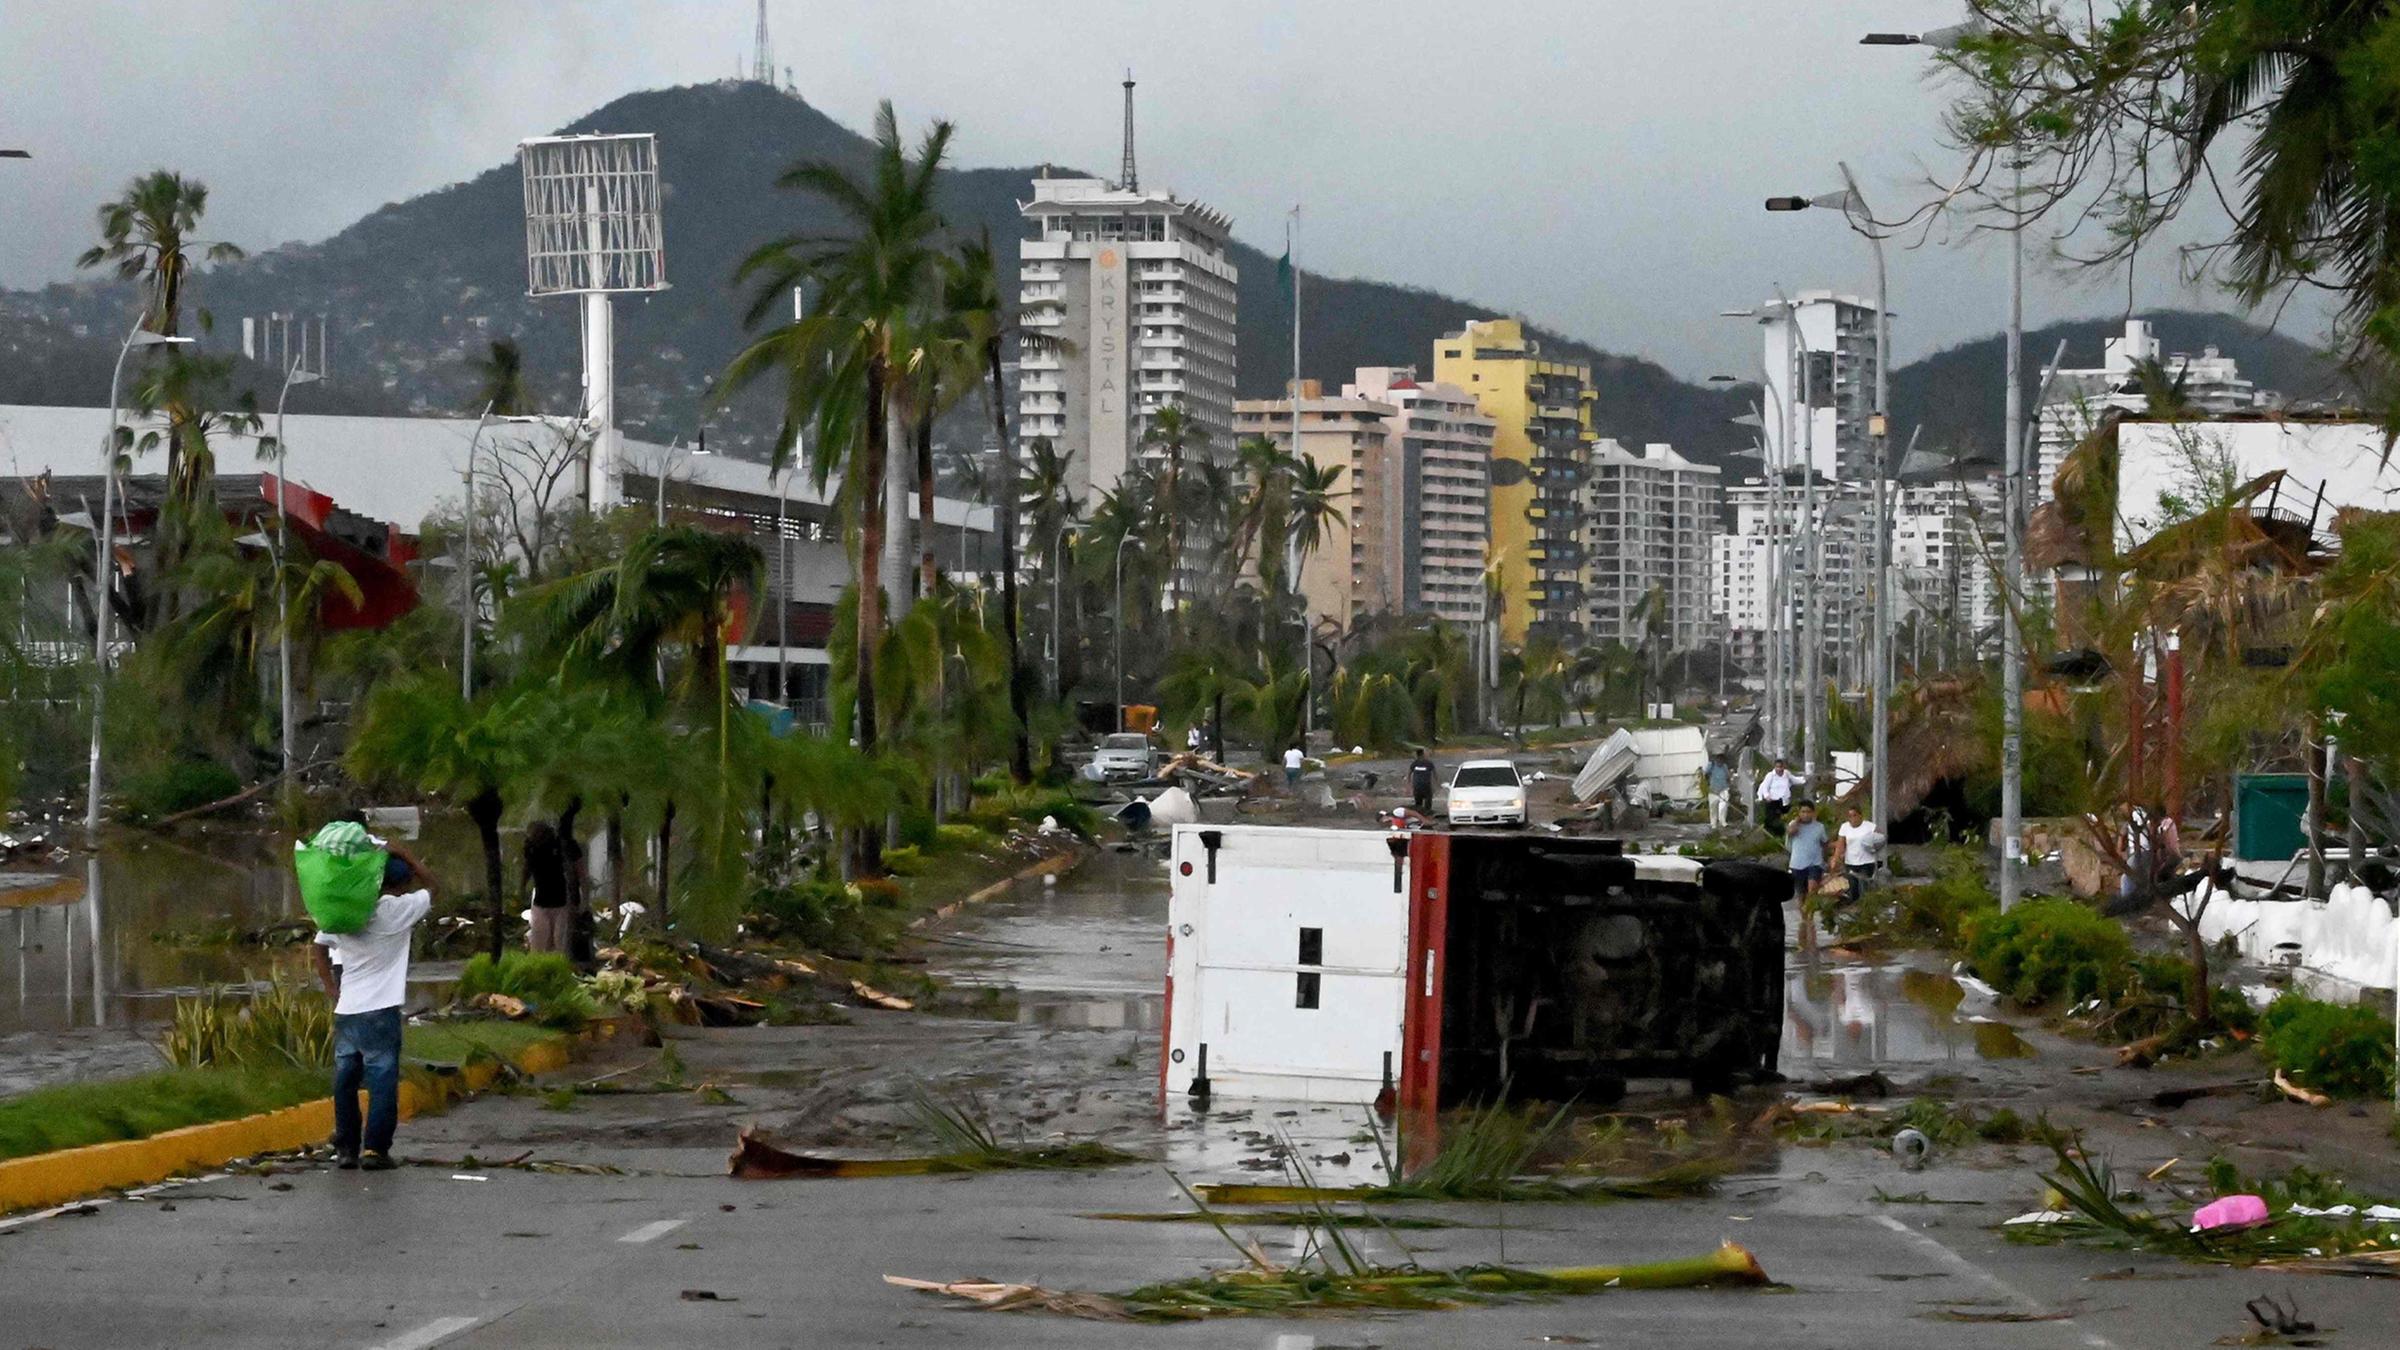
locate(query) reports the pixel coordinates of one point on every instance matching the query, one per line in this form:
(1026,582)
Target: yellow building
(1541,449)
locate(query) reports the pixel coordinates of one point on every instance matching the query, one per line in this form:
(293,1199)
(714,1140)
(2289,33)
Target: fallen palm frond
(1280,1218)
(1682,1179)
(967,1144)
(1263,1290)
(2313,1224)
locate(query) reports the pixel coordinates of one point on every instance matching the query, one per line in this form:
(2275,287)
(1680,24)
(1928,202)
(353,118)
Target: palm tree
(500,380)
(680,586)
(419,732)
(145,234)
(1172,432)
(971,282)
(1316,497)
(837,365)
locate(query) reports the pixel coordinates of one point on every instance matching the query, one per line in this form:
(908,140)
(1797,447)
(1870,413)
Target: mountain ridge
(416,288)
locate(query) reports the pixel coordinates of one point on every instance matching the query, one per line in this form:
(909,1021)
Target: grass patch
(458,1042)
(72,1115)
(1935,912)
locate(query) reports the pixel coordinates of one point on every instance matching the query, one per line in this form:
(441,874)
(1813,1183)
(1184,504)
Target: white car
(1487,792)
(1124,757)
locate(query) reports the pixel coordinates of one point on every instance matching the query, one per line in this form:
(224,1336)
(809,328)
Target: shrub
(176,786)
(2050,949)
(989,784)
(916,826)
(2340,1049)
(904,859)
(881,892)
(812,913)
(961,837)
(1936,911)
(545,982)
(284,1025)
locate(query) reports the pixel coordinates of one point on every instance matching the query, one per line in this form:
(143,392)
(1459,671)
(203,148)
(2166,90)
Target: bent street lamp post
(2012,638)
(101,588)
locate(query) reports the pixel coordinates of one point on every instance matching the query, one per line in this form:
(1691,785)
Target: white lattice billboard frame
(592,215)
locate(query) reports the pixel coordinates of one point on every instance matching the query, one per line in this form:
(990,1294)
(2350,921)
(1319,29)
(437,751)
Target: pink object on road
(2232,1211)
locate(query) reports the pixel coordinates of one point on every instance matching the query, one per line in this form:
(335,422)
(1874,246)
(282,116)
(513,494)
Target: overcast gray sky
(1595,164)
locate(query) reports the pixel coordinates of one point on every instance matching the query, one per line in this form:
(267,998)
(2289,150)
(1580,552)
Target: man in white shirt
(1862,846)
(1292,761)
(366,975)
(1775,793)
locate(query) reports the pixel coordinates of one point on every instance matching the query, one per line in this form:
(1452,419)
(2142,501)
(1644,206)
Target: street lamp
(283,616)
(466,563)
(1122,541)
(2012,638)
(101,587)
(1058,649)
(1853,206)
(666,466)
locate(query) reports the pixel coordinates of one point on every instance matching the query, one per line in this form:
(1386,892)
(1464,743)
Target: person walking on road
(1420,782)
(1775,793)
(1861,846)
(1806,836)
(1292,760)
(1716,784)
(547,889)
(367,990)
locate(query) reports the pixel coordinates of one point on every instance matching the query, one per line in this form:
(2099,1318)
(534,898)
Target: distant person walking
(548,890)
(1862,846)
(368,989)
(1805,835)
(1420,782)
(1775,793)
(1292,760)
(1718,785)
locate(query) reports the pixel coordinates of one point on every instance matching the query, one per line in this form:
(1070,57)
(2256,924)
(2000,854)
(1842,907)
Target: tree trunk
(1020,762)
(870,571)
(616,857)
(1216,723)
(484,811)
(926,569)
(2355,836)
(2315,749)
(666,860)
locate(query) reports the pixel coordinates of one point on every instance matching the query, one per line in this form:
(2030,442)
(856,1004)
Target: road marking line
(1940,1251)
(432,1333)
(651,1232)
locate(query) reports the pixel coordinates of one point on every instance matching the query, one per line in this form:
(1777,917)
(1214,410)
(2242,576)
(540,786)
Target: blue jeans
(366,1052)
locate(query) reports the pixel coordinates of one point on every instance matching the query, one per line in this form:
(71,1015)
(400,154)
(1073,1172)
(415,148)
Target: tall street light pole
(1058,642)
(1122,541)
(1853,206)
(102,590)
(2012,638)
(466,569)
(283,612)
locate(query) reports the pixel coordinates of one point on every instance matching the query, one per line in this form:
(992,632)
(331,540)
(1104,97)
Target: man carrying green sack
(365,973)
(341,875)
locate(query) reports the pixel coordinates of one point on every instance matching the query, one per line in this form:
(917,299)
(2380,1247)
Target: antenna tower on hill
(762,51)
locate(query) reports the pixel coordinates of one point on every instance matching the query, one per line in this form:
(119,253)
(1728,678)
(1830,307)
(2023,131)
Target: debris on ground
(966,1141)
(1264,1289)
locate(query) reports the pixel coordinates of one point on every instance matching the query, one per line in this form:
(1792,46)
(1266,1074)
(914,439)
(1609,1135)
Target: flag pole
(1308,665)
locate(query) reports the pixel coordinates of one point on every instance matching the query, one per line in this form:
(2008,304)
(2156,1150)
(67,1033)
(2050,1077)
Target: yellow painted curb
(1055,863)
(55,1178)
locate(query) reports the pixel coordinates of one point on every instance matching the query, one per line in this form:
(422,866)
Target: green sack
(341,883)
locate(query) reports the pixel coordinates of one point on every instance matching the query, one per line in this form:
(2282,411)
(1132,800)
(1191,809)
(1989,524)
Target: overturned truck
(1429,969)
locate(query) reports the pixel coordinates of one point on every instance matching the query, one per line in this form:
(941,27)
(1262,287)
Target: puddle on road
(1861,1015)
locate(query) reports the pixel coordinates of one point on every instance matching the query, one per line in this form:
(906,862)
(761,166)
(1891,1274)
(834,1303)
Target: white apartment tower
(1649,522)
(2211,384)
(1128,305)
(1819,367)
(1423,503)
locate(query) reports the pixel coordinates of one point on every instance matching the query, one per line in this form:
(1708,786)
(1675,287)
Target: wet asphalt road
(673,1253)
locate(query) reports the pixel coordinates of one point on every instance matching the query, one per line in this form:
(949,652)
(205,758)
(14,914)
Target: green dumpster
(2270,816)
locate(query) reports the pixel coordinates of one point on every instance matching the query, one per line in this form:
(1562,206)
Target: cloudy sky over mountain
(1597,164)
